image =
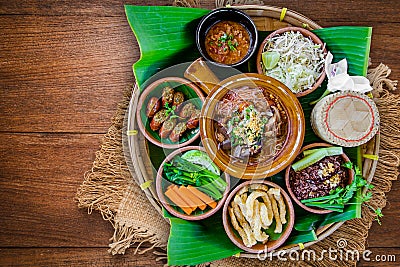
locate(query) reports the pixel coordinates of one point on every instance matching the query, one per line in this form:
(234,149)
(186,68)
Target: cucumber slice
(316,156)
(332,151)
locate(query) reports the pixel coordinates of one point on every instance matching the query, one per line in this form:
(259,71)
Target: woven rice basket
(266,18)
(346,119)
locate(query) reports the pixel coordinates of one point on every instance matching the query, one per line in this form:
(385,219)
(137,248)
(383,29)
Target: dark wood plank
(61,8)
(39,176)
(63,74)
(367,12)
(73,257)
(63,67)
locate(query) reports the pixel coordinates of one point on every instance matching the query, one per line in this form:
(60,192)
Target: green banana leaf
(188,238)
(166,37)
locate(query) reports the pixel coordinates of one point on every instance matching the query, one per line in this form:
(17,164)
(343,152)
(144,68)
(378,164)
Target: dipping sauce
(227,42)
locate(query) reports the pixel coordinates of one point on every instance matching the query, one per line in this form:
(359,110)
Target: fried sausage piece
(153,106)
(179,98)
(167,128)
(177,132)
(193,121)
(187,110)
(167,96)
(158,119)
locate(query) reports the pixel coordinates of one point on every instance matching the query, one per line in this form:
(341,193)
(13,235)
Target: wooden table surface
(63,68)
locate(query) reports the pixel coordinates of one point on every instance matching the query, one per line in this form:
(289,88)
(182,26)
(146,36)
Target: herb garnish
(227,39)
(171,111)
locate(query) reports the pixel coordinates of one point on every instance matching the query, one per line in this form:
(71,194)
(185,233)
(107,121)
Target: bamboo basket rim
(134,144)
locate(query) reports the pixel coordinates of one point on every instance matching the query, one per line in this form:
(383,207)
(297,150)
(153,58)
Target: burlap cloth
(110,189)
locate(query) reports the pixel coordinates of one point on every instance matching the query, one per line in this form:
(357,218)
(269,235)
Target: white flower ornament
(339,80)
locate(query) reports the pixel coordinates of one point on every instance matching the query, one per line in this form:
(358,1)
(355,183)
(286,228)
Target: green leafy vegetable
(201,158)
(171,111)
(182,172)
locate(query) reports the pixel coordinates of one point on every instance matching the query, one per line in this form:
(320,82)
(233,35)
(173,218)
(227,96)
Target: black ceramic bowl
(226,14)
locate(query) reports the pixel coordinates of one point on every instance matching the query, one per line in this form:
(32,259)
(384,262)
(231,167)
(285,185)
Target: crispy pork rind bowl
(302,70)
(252,126)
(267,227)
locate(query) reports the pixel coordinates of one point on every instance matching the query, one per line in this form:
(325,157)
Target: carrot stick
(206,199)
(182,193)
(192,197)
(177,199)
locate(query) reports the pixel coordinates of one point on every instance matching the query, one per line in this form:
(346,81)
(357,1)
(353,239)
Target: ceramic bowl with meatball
(168,112)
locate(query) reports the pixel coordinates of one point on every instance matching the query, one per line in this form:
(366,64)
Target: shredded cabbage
(301,60)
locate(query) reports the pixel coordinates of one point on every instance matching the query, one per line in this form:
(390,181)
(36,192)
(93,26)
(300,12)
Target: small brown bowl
(289,188)
(305,33)
(291,145)
(191,92)
(162,183)
(271,244)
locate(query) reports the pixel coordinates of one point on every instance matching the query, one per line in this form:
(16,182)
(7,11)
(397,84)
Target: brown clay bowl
(192,93)
(290,147)
(305,33)
(162,183)
(350,176)
(276,240)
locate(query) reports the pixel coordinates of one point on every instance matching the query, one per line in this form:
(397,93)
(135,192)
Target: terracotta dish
(154,90)
(162,185)
(275,240)
(305,33)
(350,177)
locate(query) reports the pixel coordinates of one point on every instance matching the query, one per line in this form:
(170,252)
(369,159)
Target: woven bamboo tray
(136,150)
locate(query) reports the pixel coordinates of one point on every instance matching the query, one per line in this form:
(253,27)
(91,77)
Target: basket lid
(346,119)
